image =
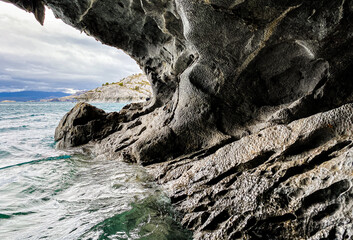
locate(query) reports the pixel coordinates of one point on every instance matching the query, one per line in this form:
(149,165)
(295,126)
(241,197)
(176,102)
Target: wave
(4,154)
(4,216)
(14,128)
(38,161)
(20,116)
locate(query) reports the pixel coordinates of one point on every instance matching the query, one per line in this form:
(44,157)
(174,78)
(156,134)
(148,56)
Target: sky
(55,57)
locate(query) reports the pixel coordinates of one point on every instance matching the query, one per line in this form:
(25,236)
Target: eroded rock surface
(250,126)
(285,182)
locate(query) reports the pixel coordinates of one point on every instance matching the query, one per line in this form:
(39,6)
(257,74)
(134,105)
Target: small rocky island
(134,88)
(250,128)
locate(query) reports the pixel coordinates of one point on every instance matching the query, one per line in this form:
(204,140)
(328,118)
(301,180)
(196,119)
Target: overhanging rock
(236,87)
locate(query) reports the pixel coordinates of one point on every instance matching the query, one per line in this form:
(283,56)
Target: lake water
(51,194)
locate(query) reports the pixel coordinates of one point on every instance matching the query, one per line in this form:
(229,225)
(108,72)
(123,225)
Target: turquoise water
(51,194)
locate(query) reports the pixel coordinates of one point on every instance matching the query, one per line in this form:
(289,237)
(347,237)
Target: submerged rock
(249,129)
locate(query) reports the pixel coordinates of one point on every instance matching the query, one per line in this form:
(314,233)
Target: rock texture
(250,127)
(285,182)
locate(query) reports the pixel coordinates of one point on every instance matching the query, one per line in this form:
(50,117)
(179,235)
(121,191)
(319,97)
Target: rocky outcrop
(37,7)
(134,88)
(85,123)
(249,130)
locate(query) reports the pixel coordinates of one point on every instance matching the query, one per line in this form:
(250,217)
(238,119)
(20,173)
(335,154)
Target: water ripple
(51,194)
(37,161)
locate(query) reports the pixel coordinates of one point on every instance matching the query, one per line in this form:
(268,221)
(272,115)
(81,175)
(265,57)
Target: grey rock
(35,6)
(249,129)
(285,182)
(84,123)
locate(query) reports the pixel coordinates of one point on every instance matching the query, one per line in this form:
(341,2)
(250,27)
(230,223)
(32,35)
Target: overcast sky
(55,57)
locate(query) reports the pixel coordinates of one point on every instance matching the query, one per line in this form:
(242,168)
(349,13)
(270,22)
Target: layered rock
(285,182)
(236,119)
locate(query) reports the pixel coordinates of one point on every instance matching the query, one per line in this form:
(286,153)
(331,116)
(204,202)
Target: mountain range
(25,96)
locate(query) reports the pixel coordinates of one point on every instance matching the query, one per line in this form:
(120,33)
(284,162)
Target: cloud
(11,89)
(55,56)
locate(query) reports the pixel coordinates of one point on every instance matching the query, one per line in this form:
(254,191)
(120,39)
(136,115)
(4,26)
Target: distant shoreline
(134,88)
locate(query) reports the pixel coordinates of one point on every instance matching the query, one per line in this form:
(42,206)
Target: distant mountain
(70,98)
(25,96)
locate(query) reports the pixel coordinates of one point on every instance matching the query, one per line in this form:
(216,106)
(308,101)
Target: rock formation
(85,123)
(250,127)
(134,88)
